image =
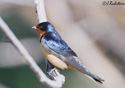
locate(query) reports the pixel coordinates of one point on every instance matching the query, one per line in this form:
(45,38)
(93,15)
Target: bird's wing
(54,44)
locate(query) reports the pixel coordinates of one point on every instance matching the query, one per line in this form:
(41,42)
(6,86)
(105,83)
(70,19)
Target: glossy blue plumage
(54,44)
(53,41)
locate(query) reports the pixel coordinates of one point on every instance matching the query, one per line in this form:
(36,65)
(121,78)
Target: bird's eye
(41,27)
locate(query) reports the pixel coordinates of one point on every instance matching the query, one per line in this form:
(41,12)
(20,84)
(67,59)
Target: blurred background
(94,31)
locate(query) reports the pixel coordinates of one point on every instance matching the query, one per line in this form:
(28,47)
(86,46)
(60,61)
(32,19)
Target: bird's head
(44,27)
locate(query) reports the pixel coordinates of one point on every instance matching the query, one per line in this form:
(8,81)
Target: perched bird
(58,53)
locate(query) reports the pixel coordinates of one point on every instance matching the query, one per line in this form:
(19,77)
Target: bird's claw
(53,73)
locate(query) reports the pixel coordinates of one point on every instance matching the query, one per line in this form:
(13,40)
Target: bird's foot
(53,73)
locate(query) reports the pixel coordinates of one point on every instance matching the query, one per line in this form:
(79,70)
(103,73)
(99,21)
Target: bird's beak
(34,27)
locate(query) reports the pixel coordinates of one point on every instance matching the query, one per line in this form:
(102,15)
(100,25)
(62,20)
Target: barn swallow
(58,53)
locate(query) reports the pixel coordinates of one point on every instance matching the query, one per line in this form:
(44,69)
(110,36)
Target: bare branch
(56,83)
(40,9)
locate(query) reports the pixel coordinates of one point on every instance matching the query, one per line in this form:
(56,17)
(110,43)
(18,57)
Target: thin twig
(40,9)
(57,83)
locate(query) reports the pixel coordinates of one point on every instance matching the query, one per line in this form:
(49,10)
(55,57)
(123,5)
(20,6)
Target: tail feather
(99,80)
(75,64)
(95,77)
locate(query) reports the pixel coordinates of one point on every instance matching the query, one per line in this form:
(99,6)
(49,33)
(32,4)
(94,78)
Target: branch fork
(58,79)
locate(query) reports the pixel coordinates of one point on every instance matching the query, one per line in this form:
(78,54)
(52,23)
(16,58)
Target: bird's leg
(51,70)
